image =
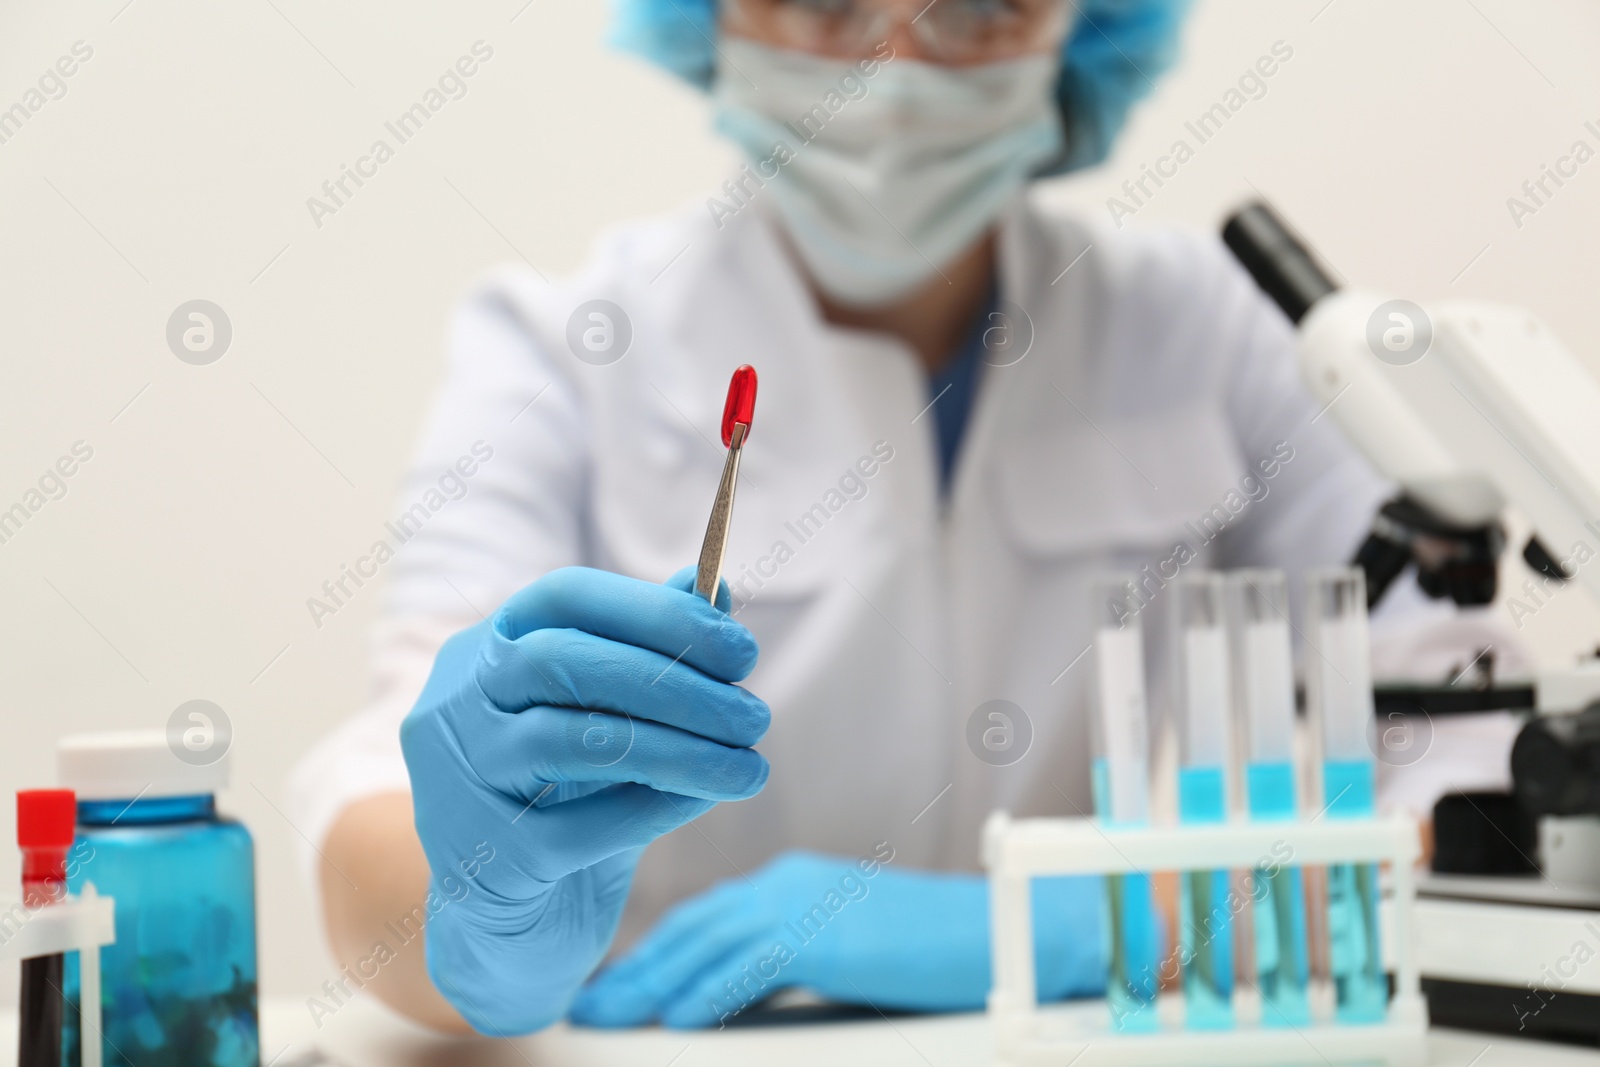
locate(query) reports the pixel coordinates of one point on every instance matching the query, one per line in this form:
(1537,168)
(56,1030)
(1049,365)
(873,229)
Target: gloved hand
(852,931)
(592,714)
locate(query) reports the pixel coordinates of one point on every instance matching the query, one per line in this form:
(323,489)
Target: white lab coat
(1157,382)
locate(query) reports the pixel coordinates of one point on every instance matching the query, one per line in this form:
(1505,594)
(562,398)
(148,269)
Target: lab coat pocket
(1096,483)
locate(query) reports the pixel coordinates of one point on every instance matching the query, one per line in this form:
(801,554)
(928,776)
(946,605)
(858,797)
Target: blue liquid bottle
(1121,781)
(1258,605)
(1339,692)
(1204,703)
(179,983)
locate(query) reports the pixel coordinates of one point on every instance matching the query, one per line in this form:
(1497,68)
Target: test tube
(1120,775)
(1258,611)
(46,819)
(1339,695)
(1205,918)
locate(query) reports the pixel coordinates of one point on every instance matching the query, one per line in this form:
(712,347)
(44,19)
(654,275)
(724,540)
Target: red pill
(741,404)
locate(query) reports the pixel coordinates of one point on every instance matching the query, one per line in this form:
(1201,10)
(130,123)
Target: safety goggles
(947,31)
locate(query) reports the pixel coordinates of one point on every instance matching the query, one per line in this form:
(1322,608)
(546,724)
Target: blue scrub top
(953,390)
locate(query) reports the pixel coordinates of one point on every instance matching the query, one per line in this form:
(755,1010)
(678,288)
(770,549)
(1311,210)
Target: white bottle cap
(125,764)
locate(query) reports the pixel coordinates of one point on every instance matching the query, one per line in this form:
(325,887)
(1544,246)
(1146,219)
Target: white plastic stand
(1015,852)
(78,924)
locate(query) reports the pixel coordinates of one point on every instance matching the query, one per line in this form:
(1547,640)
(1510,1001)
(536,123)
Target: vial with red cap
(46,819)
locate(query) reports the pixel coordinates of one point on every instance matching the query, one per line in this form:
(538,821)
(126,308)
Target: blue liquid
(1133,956)
(1282,974)
(1205,912)
(1133,953)
(1278,891)
(179,984)
(1355,952)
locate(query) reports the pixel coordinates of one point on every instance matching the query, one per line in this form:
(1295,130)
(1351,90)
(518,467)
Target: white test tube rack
(1017,851)
(80,924)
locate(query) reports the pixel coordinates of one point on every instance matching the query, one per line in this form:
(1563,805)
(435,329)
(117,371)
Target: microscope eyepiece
(1280,264)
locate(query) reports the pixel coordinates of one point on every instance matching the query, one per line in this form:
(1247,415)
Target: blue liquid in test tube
(1279,907)
(1339,692)
(1264,688)
(1121,776)
(1360,986)
(1205,915)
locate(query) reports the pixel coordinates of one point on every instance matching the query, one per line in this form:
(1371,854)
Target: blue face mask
(884,170)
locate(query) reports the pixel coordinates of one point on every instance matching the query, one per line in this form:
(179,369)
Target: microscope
(1471,409)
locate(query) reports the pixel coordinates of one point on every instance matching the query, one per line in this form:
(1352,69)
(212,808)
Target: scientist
(970,407)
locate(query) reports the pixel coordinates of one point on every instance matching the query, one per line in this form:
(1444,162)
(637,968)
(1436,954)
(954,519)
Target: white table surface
(364,1034)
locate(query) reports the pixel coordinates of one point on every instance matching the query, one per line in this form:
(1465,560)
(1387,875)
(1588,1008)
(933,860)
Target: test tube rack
(80,924)
(1026,1035)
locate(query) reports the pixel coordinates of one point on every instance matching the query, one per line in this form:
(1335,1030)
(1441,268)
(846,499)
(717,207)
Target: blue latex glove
(855,931)
(592,714)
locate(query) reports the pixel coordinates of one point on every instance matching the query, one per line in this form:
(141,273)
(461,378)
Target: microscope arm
(1484,408)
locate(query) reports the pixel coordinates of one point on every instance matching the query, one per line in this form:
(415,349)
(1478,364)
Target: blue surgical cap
(1115,52)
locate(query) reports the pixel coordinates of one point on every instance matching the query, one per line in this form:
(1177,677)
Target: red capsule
(741,404)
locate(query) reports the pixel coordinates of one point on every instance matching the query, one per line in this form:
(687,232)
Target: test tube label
(1120,659)
(1346,686)
(1269,689)
(1206,695)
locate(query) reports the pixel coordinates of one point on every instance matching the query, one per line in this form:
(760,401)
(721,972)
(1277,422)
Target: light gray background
(220,497)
